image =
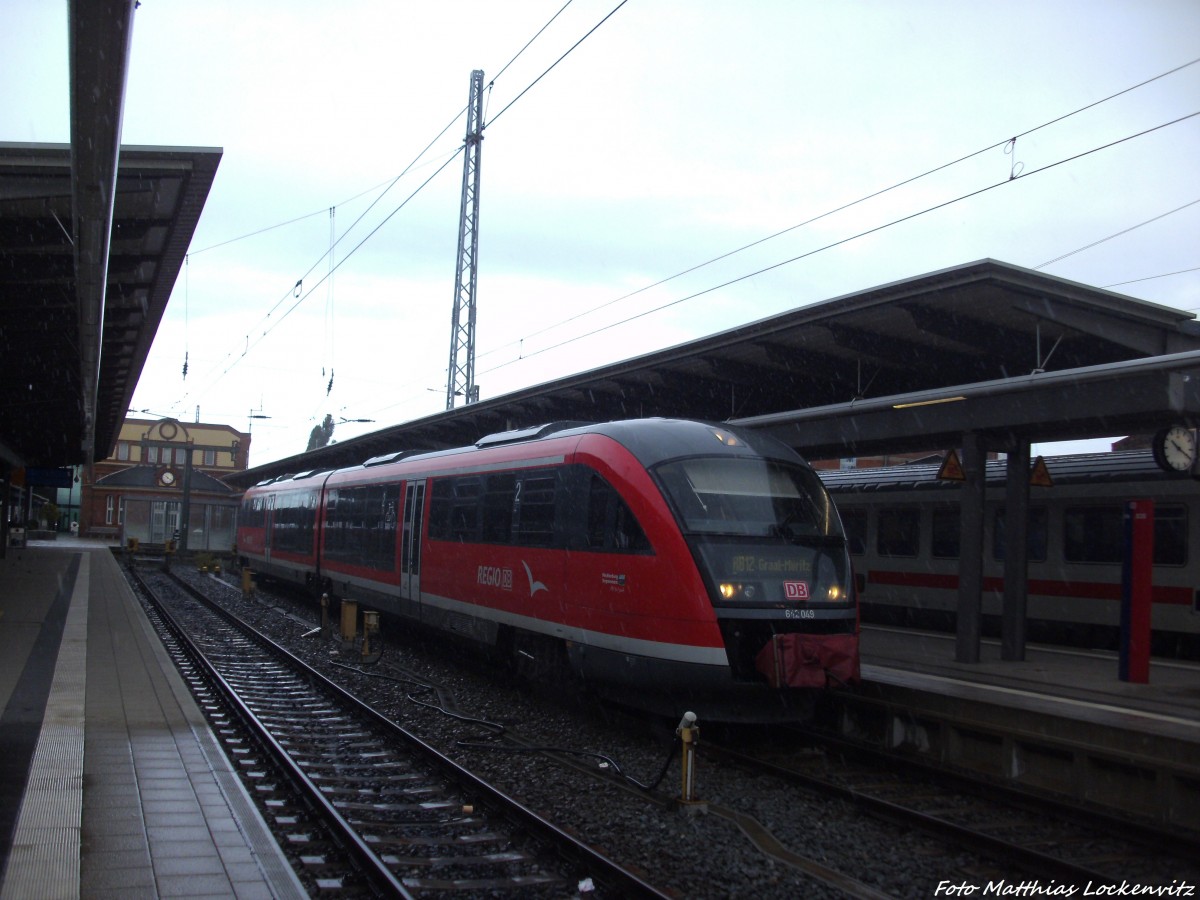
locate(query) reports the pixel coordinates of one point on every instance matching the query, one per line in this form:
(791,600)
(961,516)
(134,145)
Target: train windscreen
(764,531)
(749,496)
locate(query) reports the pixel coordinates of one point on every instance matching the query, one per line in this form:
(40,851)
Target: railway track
(361,806)
(1045,840)
(758,839)
(757,820)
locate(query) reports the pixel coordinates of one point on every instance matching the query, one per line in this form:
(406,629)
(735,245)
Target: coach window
(1093,534)
(854,523)
(946,535)
(1170,535)
(1035,539)
(898,532)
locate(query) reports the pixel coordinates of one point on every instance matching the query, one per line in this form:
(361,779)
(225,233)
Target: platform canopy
(983,323)
(92,238)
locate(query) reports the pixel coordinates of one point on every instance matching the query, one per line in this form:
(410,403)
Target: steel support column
(461,378)
(970,577)
(1016,553)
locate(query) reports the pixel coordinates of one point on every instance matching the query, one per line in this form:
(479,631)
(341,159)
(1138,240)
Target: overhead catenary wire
(1152,277)
(554,64)
(1005,142)
(297,290)
(1006,181)
(730,253)
(907,218)
(267,228)
(1013,175)
(305,294)
(1118,234)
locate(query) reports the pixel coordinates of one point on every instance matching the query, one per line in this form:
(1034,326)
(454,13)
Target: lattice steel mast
(461,381)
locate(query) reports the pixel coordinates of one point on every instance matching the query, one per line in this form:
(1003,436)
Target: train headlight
(735,590)
(835,593)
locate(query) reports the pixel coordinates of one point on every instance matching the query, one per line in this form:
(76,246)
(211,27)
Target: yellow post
(370,626)
(349,620)
(689,734)
(247,583)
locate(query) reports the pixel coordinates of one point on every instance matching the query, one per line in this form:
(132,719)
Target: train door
(410,541)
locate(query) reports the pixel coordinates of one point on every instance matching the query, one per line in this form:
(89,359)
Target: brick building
(162,473)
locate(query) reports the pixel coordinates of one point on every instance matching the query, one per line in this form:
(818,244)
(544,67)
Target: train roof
(650,440)
(1086,468)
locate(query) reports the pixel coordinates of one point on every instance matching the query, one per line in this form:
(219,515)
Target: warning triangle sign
(951,469)
(1040,476)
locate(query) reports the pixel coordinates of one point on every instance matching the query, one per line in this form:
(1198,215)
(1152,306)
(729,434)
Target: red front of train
(676,565)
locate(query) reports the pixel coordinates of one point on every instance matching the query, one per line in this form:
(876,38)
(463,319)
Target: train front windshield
(765,531)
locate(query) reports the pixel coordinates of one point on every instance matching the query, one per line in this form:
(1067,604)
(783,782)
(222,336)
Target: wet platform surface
(1077,684)
(111,782)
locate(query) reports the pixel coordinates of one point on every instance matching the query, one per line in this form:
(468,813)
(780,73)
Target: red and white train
(902,524)
(675,565)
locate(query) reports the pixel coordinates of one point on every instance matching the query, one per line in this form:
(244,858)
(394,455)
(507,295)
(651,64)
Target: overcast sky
(673,134)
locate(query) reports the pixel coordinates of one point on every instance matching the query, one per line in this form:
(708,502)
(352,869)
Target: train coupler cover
(809,660)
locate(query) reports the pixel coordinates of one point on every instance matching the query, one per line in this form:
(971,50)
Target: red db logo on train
(795,590)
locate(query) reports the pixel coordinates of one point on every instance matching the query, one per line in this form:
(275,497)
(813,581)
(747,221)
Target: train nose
(800,660)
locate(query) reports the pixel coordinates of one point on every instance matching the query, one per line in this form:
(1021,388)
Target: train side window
(498,499)
(360,525)
(253,513)
(287,525)
(1093,534)
(465,507)
(1170,535)
(897,532)
(1035,538)
(441,493)
(946,536)
(611,525)
(854,523)
(533,509)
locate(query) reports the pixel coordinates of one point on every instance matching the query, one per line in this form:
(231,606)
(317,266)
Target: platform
(1078,683)
(111,782)
(1060,721)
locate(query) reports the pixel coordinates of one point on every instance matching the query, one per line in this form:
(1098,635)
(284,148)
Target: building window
(180,456)
(210,457)
(123,451)
(152,454)
(121,511)
(108,509)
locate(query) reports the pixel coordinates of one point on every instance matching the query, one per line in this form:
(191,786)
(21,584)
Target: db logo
(795,590)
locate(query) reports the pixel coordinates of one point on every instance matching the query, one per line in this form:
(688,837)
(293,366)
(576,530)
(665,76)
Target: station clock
(1175,449)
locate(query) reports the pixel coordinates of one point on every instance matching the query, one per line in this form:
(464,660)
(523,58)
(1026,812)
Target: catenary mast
(461,381)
